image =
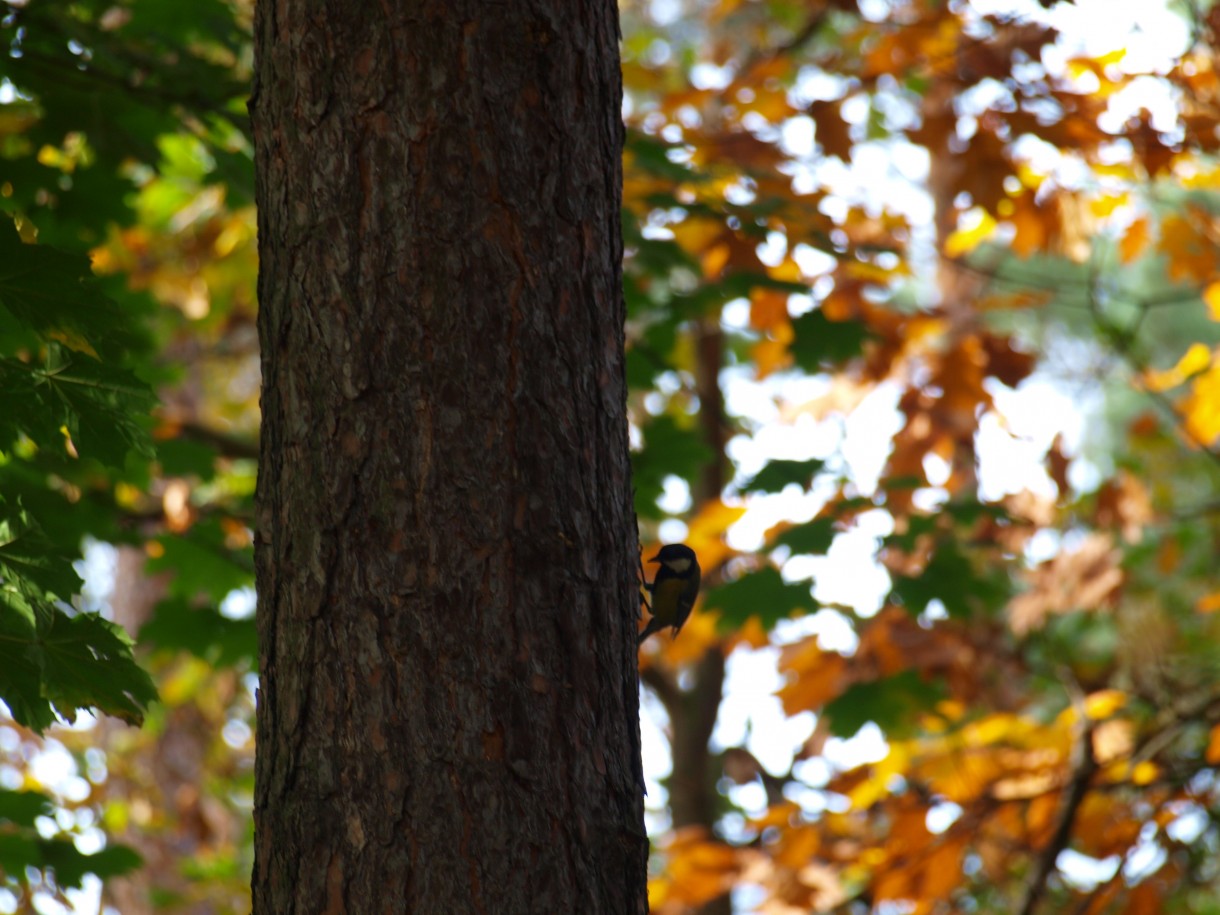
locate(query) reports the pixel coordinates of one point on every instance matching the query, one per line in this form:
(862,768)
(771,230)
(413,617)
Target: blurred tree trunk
(446,555)
(695,799)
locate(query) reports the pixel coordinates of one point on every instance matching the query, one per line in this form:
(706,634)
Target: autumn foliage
(924,363)
(1040,665)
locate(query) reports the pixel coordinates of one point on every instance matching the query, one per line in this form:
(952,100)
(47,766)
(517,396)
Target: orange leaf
(768,308)
(1212,755)
(1191,254)
(1134,240)
(772,353)
(714,260)
(1031,225)
(697,870)
(816,676)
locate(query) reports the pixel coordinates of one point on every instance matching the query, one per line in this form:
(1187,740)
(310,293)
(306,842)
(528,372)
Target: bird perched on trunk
(673,589)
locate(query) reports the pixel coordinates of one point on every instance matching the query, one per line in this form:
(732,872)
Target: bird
(674,589)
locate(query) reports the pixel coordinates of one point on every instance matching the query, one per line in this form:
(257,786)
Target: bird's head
(677,557)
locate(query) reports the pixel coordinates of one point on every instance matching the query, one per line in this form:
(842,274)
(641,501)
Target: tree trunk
(448,712)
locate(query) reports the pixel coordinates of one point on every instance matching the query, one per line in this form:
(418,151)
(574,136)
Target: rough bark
(448,714)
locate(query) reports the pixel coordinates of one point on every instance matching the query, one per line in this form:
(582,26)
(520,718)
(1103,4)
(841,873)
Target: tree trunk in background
(160,770)
(695,799)
(448,716)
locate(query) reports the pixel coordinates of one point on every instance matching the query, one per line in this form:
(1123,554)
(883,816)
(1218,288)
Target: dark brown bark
(446,559)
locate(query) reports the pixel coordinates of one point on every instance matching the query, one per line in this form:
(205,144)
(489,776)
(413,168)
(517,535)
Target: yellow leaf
(1202,407)
(701,633)
(966,239)
(1211,295)
(1104,703)
(73,340)
(695,235)
(1197,358)
(1145,773)
(874,273)
(1107,203)
(788,270)
(706,530)
(881,777)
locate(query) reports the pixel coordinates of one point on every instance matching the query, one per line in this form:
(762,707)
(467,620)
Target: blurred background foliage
(922,346)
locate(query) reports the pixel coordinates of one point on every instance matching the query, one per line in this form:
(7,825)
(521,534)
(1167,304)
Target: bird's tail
(653,626)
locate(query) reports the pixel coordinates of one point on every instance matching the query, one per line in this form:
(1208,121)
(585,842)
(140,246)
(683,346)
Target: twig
(1084,764)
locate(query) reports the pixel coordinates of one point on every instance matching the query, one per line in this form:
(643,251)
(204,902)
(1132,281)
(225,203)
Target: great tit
(673,589)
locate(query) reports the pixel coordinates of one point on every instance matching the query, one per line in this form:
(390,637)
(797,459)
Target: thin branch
(1083,766)
(795,43)
(661,683)
(226,445)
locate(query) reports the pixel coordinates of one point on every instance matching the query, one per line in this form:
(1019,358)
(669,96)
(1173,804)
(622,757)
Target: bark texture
(448,715)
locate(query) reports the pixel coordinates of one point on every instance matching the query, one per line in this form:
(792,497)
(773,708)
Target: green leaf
(27,556)
(21,663)
(812,537)
(669,450)
(893,703)
(101,405)
(70,866)
(204,632)
(763,594)
(820,343)
(87,663)
(202,564)
(778,475)
(651,155)
(54,293)
(951,578)
(181,457)
(710,297)
(22,808)
(19,850)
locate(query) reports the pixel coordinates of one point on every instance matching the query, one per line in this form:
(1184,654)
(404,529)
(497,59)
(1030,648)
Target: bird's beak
(656,558)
